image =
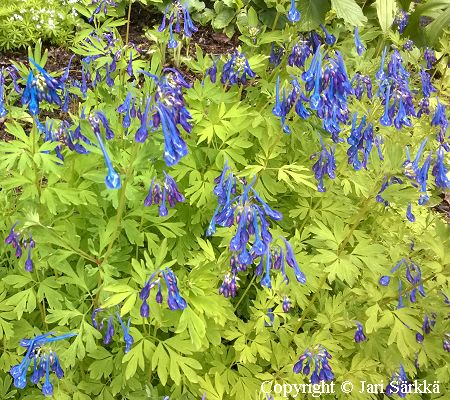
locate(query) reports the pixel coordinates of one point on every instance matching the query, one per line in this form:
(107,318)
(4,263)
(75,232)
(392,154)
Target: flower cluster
(175,16)
(428,323)
(317,361)
(170,194)
(110,329)
(427,89)
(430,57)
(413,275)
(102,5)
(252,240)
(397,384)
(174,299)
(325,164)
(446,342)
(394,88)
(361,84)
(359,334)
(17,241)
(42,86)
(45,361)
(440,119)
(361,140)
(401,20)
(236,70)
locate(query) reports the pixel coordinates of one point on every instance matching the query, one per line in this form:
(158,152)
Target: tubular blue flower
(301,51)
(125,108)
(318,358)
(236,70)
(142,133)
(286,304)
(408,46)
(386,119)
(293,14)
(3,111)
(212,72)
(325,164)
(47,387)
(112,179)
(440,172)
(276,55)
(359,46)
(170,194)
(229,286)
(128,339)
(101,5)
(44,359)
(409,214)
(174,16)
(401,20)
(292,262)
(430,57)
(109,134)
(359,334)
(398,384)
(330,39)
(440,119)
(411,168)
(427,86)
(41,87)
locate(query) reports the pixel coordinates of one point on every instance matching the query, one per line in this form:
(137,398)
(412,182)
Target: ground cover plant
(179,224)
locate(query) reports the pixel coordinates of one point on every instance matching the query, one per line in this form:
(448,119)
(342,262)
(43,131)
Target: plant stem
(246,290)
(128,22)
(121,206)
(275,21)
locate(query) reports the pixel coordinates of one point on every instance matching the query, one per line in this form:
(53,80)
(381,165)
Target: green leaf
(349,11)
(313,12)
(386,10)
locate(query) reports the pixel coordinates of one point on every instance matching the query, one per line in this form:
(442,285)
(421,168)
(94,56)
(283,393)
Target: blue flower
(3,111)
(112,179)
(175,16)
(318,358)
(439,171)
(395,385)
(330,39)
(359,334)
(430,57)
(401,20)
(101,5)
(128,339)
(171,194)
(359,46)
(44,360)
(293,14)
(41,87)
(325,164)
(236,70)
(174,299)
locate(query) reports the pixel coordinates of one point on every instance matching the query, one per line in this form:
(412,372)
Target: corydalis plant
(250,214)
(18,240)
(44,359)
(176,16)
(112,179)
(174,300)
(42,86)
(236,70)
(413,275)
(162,194)
(167,110)
(317,361)
(102,314)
